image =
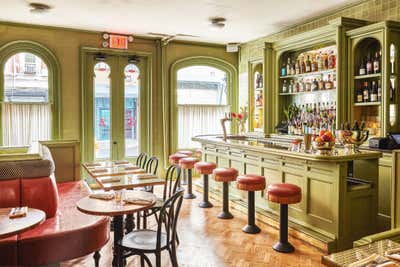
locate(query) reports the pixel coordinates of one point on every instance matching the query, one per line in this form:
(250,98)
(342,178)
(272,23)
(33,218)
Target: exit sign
(118,41)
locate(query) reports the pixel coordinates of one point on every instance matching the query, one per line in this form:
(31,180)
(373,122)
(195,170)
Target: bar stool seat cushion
(174,158)
(225,174)
(251,182)
(203,167)
(188,163)
(284,193)
(188,153)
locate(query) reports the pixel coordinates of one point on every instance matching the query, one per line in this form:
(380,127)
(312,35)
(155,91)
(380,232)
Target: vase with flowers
(240,119)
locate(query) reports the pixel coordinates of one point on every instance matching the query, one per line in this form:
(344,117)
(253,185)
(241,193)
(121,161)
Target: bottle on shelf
(283,70)
(314,85)
(366,92)
(391,91)
(379,91)
(293,68)
(314,65)
(326,62)
(362,69)
(376,63)
(360,96)
(369,65)
(302,65)
(308,86)
(321,85)
(331,60)
(297,67)
(374,92)
(328,83)
(284,87)
(288,67)
(308,64)
(291,86)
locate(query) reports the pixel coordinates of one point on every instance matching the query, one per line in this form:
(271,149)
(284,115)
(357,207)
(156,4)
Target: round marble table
(110,208)
(9,227)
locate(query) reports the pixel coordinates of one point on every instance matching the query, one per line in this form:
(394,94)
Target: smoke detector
(218,22)
(39,8)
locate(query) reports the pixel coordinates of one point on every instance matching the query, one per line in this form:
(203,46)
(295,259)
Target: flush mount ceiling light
(218,22)
(39,8)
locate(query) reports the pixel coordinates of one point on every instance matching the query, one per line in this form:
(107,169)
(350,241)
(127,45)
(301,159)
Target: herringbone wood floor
(207,241)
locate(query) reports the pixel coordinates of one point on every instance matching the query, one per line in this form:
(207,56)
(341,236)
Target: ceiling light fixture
(218,22)
(39,8)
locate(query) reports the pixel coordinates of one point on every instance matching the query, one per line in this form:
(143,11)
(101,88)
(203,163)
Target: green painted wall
(66,44)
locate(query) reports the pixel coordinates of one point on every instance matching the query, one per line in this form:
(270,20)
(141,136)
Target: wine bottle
(302,66)
(374,92)
(320,60)
(288,66)
(369,65)
(284,87)
(362,68)
(308,64)
(297,67)
(376,63)
(360,96)
(379,91)
(366,92)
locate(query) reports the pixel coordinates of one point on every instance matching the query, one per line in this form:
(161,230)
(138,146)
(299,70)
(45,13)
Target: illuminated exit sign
(116,41)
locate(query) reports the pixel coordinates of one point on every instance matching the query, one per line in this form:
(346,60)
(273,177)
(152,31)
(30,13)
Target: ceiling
(246,20)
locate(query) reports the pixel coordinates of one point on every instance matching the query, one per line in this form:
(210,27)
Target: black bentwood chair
(142,242)
(141,160)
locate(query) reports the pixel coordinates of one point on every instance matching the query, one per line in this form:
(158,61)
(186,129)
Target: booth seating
(205,168)
(225,175)
(251,183)
(284,194)
(65,234)
(188,164)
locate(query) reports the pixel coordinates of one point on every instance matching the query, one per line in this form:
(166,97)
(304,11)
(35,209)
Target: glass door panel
(131,110)
(102,118)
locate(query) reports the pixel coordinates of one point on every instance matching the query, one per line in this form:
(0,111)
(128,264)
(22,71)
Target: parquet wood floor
(207,241)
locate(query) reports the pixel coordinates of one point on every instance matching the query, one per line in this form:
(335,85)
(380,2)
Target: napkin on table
(103,196)
(110,180)
(18,212)
(99,170)
(144,176)
(120,162)
(138,201)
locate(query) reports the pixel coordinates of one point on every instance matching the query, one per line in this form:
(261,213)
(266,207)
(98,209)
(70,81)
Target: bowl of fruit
(324,142)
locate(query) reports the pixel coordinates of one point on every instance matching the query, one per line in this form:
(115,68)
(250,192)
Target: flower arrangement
(241,119)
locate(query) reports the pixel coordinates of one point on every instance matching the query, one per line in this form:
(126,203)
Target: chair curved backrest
(141,160)
(171,186)
(152,165)
(169,214)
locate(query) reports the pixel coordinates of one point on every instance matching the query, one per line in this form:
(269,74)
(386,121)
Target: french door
(113,124)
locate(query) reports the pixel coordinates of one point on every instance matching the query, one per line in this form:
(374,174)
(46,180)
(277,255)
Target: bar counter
(339,191)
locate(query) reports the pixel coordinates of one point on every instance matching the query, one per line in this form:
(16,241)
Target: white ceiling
(246,20)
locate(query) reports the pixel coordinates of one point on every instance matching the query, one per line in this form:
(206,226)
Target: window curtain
(24,123)
(197,120)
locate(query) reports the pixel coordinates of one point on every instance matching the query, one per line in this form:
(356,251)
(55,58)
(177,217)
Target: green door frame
(220,64)
(116,60)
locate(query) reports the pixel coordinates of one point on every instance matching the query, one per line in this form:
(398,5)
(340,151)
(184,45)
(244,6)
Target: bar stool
(205,168)
(199,153)
(188,164)
(284,194)
(225,175)
(188,153)
(174,160)
(251,183)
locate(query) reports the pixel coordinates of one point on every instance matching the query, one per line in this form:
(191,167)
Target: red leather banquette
(65,234)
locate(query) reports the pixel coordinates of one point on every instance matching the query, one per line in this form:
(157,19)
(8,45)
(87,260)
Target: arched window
(203,89)
(29,85)
(26,112)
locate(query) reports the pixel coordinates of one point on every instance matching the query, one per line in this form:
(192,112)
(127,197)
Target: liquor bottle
(328,83)
(379,91)
(321,85)
(326,62)
(293,68)
(363,68)
(283,70)
(284,87)
(296,88)
(314,65)
(360,96)
(376,63)
(374,92)
(391,92)
(308,64)
(331,60)
(369,65)
(291,86)
(320,60)
(288,67)
(308,85)
(314,85)
(302,65)
(366,92)
(301,86)
(297,67)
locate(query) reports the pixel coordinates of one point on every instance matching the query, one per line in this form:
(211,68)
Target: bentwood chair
(141,160)
(142,242)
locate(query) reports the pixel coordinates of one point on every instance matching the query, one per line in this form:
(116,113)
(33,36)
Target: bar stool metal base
(189,196)
(225,215)
(251,229)
(205,205)
(283,247)
(184,178)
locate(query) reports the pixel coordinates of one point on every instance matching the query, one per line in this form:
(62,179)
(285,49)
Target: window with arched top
(29,94)
(26,111)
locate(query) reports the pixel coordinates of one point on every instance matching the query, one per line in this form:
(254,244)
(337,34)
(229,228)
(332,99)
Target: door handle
(114,142)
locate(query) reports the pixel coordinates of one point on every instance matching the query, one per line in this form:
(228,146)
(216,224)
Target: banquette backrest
(29,183)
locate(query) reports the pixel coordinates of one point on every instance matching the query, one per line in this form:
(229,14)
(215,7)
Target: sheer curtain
(24,123)
(198,119)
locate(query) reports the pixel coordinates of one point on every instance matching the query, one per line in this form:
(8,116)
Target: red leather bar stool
(188,153)
(225,175)
(188,164)
(174,160)
(205,168)
(284,194)
(199,153)
(251,183)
